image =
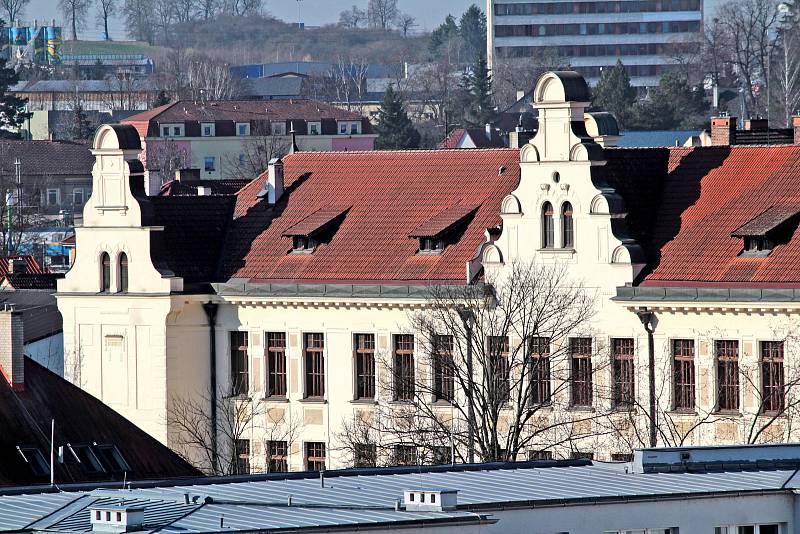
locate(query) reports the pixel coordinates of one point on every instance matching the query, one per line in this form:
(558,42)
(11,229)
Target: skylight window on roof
(86,458)
(113,458)
(315,229)
(35,460)
(444,228)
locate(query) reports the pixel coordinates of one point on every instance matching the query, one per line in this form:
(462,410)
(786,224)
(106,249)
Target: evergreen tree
(12,108)
(614,93)
(673,104)
(394,128)
(80,128)
(472,28)
(161,99)
(446,33)
(477,83)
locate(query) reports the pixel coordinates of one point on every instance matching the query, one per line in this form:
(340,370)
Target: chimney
(203,191)
(16,266)
(187,175)
(796,128)
(756,125)
(273,187)
(12,348)
(723,131)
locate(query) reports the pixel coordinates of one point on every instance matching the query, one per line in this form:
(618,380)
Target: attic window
(444,228)
(36,462)
(113,459)
(87,458)
(317,228)
(772,227)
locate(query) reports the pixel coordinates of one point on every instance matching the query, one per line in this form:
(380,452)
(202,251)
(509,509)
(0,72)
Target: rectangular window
(165,131)
(540,455)
(177,130)
(365,455)
(314,128)
(581,455)
(580,350)
(498,355)
(315,456)
(403,367)
(405,455)
(443,383)
(36,462)
(313,347)
(621,457)
(210,163)
(77,197)
(442,455)
(683,373)
(772,379)
(539,362)
(343,128)
(53,197)
(240,379)
(727,356)
(365,365)
(277,456)
(242,456)
(242,129)
(622,351)
(278,128)
(276,364)
(355,128)
(208,130)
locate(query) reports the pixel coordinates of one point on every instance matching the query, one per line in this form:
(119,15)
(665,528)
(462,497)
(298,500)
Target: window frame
(771,365)
(567,226)
(314,365)
(242,454)
(728,387)
(499,349)
(122,266)
(213,163)
(364,366)
(403,368)
(105,272)
(275,356)
(683,368)
(277,456)
(316,460)
(539,374)
(623,372)
(548,226)
(311,125)
(239,362)
(404,454)
(239,126)
(581,375)
(442,346)
(78,191)
(277,128)
(55,191)
(211,129)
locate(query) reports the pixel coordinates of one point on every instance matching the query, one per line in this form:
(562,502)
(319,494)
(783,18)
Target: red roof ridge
(400,151)
(150,114)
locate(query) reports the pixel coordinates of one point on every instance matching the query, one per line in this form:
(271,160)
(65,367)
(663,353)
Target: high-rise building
(649,36)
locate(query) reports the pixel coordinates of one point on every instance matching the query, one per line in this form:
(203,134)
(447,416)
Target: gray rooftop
(361,498)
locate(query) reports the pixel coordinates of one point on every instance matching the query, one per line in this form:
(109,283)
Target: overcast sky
(429,13)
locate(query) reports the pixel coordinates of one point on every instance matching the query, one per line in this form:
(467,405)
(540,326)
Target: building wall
(49,352)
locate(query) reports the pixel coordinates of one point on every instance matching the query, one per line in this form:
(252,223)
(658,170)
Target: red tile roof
(391,194)
(315,222)
(31,266)
(700,196)
(767,221)
(443,221)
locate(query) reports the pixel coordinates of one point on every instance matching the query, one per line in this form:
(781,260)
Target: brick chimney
(796,128)
(12,348)
(723,131)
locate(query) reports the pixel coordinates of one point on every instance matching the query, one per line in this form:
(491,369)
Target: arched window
(105,281)
(123,272)
(567,226)
(548,235)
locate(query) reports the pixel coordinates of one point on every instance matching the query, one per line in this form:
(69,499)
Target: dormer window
(317,228)
(443,229)
(772,227)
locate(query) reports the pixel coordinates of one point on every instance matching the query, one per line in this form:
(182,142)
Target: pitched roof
(28,263)
(476,135)
(392,193)
(80,419)
(46,158)
(767,221)
(685,205)
(40,315)
(443,221)
(244,110)
(316,222)
(30,281)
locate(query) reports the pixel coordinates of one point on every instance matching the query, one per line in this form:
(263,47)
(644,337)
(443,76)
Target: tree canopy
(477,83)
(394,128)
(12,108)
(614,93)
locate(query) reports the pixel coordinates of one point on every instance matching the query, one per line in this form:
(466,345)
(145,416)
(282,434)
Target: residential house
(299,289)
(216,136)
(726,490)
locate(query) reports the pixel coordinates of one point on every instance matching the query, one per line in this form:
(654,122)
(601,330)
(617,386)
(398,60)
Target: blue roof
(368,498)
(655,138)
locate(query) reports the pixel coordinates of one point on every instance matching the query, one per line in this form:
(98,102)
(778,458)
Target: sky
(429,13)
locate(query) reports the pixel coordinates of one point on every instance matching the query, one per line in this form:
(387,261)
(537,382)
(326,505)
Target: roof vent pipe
(322,479)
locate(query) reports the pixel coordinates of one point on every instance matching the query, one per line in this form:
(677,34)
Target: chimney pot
(12,348)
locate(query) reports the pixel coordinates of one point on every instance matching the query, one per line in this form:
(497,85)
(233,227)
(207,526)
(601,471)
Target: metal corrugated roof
(349,498)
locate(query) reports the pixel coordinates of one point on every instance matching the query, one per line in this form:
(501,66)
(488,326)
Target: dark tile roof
(40,315)
(31,266)
(478,137)
(266,88)
(46,158)
(767,221)
(31,281)
(80,419)
(244,110)
(391,193)
(193,236)
(189,188)
(771,136)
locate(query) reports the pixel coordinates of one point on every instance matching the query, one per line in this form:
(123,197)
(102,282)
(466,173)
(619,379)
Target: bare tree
(382,13)
(214,452)
(75,12)
(12,9)
(125,92)
(787,73)
(405,23)
(240,8)
(349,76)
(352,18)
(207,8)
(164,18)
(210,79)
(105,10)
(185,10)
(750,27)
(257,151)
(496,368)
(512,75)
(140,19)
(166,157)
